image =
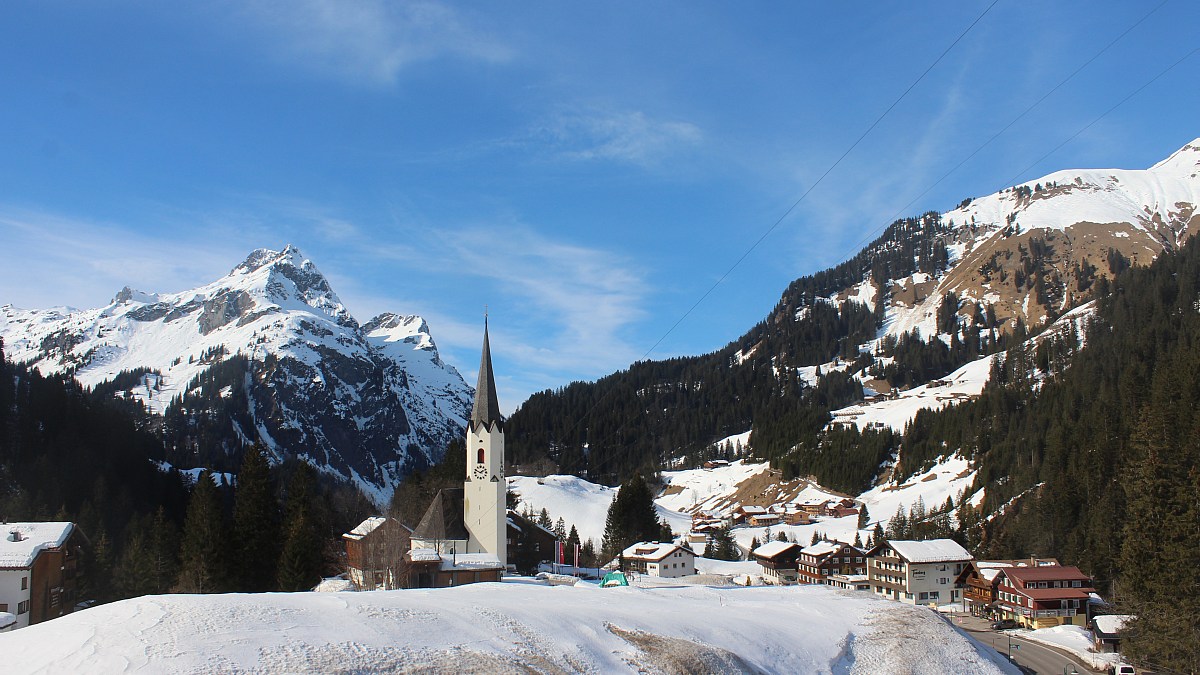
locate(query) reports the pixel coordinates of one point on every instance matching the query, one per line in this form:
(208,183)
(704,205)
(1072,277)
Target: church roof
(444,518)
(486,409)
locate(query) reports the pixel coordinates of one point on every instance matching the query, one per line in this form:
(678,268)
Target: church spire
(486,409)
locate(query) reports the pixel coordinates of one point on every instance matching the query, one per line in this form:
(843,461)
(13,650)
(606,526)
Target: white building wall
(12,595)
(923,579)
(484,504)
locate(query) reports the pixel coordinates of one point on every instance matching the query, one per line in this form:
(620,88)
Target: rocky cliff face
(266,354)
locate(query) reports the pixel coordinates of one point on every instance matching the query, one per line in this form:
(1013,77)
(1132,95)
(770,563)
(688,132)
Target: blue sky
(586,171)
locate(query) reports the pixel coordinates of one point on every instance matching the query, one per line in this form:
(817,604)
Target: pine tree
(863,517)
(721,545)
(560,529)
(255,524)
(204,555)
(300,561)
(631,518)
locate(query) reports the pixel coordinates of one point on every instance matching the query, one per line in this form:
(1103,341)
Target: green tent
(614,579)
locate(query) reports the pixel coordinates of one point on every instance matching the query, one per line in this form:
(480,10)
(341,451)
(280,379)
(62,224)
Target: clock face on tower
(480,472)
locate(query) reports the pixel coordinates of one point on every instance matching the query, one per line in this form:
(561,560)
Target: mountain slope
(266,354)
(929,296)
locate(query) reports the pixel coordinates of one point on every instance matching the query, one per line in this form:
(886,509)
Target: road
(1034,658)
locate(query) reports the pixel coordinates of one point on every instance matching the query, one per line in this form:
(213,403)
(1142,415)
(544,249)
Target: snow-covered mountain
(267,353)
(1031,251)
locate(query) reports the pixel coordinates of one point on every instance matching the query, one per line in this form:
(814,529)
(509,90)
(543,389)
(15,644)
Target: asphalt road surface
(1035,658)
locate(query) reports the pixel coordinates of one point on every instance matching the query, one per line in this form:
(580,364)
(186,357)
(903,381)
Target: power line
(902,210)
(1089,125)
(833,166)
(794,205)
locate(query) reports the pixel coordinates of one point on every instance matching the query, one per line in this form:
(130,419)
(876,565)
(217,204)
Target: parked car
(1122,669)
(1004,624)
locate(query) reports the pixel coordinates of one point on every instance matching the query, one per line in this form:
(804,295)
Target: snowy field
(504,628)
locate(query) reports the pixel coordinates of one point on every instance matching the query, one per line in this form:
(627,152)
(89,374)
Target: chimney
(14,535)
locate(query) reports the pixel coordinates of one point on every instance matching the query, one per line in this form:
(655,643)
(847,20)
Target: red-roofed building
(1042,597)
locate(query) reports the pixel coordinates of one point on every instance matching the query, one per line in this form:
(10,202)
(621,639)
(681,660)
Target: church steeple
(486,409)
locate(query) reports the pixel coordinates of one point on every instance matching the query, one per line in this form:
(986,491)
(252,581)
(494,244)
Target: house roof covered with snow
(20,543)
(773,549)
(822,548)
(423,555)
(931,551)
(1111,623)
(649,550)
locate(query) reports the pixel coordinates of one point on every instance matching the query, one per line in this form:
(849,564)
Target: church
(463,536)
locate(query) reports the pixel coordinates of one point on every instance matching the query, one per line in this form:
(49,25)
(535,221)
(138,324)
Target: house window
(24,583)
(3,606)
(1075,584)
(22,607)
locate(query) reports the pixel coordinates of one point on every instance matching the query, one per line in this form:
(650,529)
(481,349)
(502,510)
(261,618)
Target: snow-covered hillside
(1056,227)
(505,628)
(722,490)
(274,340)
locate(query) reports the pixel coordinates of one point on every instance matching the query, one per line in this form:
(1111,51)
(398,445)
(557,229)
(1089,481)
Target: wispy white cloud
(623,136)
(83,263)
(582,297)
(370,41)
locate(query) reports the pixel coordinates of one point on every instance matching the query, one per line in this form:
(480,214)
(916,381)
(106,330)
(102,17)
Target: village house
(820,561)
(430,569)
(793,515)
(764,520)
(1107,631)
(917,572)
(529,544)
(658,560)
(778,561)
(39,570)
(375,553)
(1042,597)
(979,579)
(745,512)
(835,508)
(814,507)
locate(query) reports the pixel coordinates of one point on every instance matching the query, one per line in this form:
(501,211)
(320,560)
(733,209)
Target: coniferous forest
(70,454)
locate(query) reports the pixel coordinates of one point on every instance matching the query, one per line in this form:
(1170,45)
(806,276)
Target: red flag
(558,552)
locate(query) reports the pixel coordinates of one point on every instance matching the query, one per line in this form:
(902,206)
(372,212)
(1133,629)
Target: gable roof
(370,525)
(774,549)
(931,551)
(650,550)
(1111,624)
(30,540)
(1052,573)
(444,517)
